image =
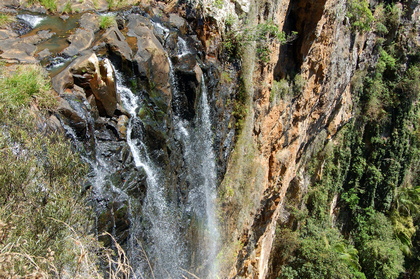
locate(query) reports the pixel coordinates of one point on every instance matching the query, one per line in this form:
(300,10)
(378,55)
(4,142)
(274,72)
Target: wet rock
(64,17)
(74,113)
(79,41)
(105,130)
(179,23)
(185,63)
(151,58)
(42,35)
(43,54)
(114,220)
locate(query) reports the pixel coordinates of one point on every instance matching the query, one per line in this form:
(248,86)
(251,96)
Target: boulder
(116,43)
(79,41)
(151,58)
(90,21)
(104,88)
(95,77)
(74,114)
(43,54)
(179,23)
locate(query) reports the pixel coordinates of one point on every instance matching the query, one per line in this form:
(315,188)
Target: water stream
(167,251)
(165,218)
(169,236)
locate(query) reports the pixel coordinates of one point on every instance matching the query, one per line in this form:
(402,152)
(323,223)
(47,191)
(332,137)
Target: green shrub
(284,88)
(319,252)
(380,254)
(262,34)
(279,90)
(44,220)
(107,21)
(360,15)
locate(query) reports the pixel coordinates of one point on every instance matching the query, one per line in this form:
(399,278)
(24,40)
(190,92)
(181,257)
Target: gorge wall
(224,136)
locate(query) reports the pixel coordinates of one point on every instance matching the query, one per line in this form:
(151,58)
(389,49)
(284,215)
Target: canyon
(222,137)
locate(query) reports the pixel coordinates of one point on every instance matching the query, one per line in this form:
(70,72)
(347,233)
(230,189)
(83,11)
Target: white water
(167,254)
(199,157)
(32,20)
(182,47)
(160,29)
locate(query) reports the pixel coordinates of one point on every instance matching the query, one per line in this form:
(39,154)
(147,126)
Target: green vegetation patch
(107,21)
(360,15)
(48,4)
(262,34)
(5,19)
(44,219)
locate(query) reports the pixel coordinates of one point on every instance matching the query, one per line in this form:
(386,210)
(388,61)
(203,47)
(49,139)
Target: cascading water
(168,243)
(153,171)
(200,162)
(32,20)
(199,158)
(170,235)
(167,248)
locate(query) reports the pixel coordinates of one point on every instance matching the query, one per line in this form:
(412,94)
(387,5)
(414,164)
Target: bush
(319,252)
(380,254)
(279,90)
(283,88)
(360,15)
(43,216)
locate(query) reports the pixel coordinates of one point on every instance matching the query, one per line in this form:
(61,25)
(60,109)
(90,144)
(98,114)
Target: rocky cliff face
(271,109)
(283,133)
(282,136)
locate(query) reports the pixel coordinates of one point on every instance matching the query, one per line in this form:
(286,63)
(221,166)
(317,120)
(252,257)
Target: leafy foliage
(360,15)
(283,88)
(317,252)
(262,34)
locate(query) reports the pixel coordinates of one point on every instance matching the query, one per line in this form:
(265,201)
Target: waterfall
(199,157)
(182,47)
(167,247)
(203,169)
(167,238)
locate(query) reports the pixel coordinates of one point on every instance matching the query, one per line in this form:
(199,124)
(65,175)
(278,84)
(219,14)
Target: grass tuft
(107,21)
(5,19)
